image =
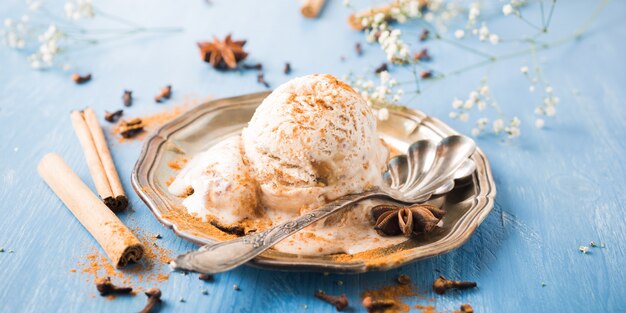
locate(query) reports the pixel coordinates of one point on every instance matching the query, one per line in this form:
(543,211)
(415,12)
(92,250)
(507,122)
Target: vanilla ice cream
(313,140)
(218,182)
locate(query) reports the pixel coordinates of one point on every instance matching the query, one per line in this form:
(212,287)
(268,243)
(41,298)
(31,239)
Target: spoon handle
(226,255)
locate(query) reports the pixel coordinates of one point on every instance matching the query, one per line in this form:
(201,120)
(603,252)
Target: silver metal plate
(467,205)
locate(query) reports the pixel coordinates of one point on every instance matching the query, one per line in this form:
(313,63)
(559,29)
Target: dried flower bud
(382,68)
(112,117)
(77,78)
(166,93)
(127,98)
(287,69)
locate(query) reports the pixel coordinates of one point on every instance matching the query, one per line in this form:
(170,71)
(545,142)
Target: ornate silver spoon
(429,168)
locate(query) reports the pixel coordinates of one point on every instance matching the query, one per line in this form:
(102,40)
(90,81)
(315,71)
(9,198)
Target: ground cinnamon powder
(395,293)
(152,268)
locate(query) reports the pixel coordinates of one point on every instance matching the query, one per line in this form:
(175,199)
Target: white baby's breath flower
(77,9)
(459,34)
(483,32)
(494,39)
(539,123)
(550,111)
(473,13)
(549,89)
(515,122)
(468,104)
(481,105)
(484,90)
(464,117)
(498,125)
(507,9)
(457,103)
(482,122)
(513,132)
(524,69)
(33,5)
(531,88)
(453,115)
(475,132)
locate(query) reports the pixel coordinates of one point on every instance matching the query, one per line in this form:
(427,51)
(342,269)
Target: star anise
(223,54)
(392,220)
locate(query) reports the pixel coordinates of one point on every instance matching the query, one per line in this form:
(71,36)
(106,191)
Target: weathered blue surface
(558,188)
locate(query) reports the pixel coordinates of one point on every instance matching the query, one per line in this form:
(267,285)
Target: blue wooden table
(558,188)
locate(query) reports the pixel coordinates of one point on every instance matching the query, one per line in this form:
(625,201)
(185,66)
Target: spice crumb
(466,308)
(1,249)
(236,287)
(404,279)
(326,273)
(204,292)
(593,244)
(543,284)
(340,283)
(583,249)
(304,306)
(182,300)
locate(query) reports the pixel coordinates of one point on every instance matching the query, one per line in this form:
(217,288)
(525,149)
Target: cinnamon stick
(354,20)
(99,159)
(117,241)
(312,8)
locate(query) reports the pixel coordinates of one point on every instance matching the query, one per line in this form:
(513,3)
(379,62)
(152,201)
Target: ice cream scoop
(313,140)
(219,183)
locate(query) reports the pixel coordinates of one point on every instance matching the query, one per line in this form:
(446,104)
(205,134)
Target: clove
(422,56)
(112,117)
(77,78)
(261,79)
(127,98)
(154,297)
(382,68)
(205,277)
(257,66)
(287,69)
(129,129)
(105,287)
(372,305)
(466,308)
(426,74)
(358,48)
(340,302)
(166,93)
(441,285)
